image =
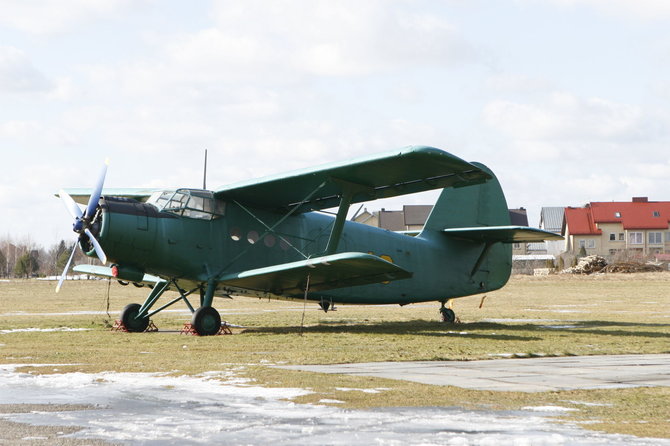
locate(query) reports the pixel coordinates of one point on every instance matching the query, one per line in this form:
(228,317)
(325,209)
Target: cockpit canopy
(191,203)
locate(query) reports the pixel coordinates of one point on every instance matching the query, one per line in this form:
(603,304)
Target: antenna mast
(204,175)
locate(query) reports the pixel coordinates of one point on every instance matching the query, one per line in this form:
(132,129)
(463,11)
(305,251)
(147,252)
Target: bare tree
(3,263)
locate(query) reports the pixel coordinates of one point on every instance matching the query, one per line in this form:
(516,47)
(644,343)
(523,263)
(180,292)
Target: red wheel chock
(119,326)
(188,329)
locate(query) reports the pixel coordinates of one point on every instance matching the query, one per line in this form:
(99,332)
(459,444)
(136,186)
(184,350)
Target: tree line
(24,259)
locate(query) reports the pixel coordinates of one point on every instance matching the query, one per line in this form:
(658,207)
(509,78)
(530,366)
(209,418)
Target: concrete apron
(519,375)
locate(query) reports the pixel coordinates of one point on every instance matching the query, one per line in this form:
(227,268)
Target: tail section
(470,206)
(459,222)
(472,224)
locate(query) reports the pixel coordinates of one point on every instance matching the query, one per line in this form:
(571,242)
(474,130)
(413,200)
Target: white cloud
(594,185)
(572,150)
(346,38)
(17,73)
(63,89)
(287,43)
(638,9)
(566,117)
(53,16)
(517,83)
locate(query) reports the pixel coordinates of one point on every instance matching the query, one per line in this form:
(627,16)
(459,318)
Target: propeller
(84,220)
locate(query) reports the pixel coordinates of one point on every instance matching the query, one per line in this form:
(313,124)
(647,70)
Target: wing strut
(336,232)
(349,189)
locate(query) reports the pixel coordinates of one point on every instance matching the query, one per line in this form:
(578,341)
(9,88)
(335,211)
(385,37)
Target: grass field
(555,315)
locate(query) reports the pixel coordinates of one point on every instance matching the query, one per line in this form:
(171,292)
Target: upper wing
(327,272)
(81,195)
(504,234)
(410,170)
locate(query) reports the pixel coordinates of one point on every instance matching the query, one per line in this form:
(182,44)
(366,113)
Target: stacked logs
(587,265)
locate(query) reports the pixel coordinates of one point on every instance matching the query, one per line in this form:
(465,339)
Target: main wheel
(206,321)
(130,320)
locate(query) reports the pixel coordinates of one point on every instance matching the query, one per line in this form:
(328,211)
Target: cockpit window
(191,203)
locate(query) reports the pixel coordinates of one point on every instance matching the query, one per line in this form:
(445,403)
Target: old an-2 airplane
(267,238)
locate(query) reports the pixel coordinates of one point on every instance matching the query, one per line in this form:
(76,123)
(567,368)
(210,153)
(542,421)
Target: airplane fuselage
(139,237)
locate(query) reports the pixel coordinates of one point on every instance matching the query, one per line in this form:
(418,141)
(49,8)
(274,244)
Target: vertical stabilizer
(486,262)
(470,206)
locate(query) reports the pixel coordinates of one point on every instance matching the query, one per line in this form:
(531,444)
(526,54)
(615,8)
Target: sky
(567,101)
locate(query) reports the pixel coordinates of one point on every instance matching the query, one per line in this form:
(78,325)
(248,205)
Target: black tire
(206,321)
(131,322)
(448,315)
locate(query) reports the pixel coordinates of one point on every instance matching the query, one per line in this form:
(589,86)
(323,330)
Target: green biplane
(268,238)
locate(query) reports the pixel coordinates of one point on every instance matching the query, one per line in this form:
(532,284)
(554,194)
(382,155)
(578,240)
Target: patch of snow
(549,409)
(83,313)
(42,330)
(586,403)
(161,409)
(502,355)
(348,389)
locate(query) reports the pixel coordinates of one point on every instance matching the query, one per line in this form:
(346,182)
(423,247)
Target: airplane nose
(83,221)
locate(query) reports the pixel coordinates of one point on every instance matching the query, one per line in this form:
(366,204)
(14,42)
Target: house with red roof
(607,228)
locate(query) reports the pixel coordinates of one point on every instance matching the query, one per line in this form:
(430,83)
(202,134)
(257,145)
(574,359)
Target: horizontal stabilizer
(105,271)
(503,234)
(327,272)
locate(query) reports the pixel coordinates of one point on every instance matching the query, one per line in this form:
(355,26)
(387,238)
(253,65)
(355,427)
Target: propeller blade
(98,249)
(67,267)
(71,205)
(95,196)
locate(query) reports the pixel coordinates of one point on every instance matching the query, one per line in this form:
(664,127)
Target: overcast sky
(568,101)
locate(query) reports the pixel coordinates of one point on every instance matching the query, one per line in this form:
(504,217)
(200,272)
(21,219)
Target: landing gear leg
(206,320)
(447,313)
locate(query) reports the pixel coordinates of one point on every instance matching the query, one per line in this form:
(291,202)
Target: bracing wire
(304,306)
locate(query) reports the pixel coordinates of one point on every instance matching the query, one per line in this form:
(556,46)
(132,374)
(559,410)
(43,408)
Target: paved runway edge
(519,375)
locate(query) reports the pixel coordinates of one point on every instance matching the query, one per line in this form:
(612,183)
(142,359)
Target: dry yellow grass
(556,315)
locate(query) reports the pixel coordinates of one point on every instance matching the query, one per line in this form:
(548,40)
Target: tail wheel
(448,315)
(131,321)
(206,321)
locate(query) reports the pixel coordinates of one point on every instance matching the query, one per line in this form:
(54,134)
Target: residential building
(551,219)
(411,218)
(639,227)
(518,217)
